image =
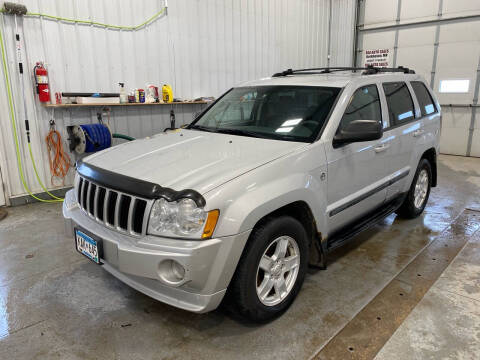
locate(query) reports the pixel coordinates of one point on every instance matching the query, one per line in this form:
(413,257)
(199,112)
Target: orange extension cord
(59,160)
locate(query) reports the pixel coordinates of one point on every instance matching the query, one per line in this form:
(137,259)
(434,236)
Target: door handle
(381,147)
(418,132)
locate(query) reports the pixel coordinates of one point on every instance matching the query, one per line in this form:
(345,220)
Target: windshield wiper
(202,128)
(241,132)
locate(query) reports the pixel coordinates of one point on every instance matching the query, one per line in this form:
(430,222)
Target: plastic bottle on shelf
(123,94)
(167,93)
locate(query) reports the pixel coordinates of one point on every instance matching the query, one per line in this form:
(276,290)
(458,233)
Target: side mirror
(357,131)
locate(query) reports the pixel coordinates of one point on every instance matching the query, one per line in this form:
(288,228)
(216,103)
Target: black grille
(111,205)
(138,215)
(124,212)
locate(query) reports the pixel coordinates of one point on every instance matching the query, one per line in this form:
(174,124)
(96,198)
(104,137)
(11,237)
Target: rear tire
(271,270)
(417,196)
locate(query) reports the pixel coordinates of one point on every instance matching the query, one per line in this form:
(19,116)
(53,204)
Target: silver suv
(270,178)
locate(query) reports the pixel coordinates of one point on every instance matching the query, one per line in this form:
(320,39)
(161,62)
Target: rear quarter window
(427,105)
(400,103)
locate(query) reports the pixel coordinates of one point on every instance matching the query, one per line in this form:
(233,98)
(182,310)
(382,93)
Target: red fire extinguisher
(41,81)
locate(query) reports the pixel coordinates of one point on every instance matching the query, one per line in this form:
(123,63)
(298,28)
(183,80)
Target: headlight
(181,218)
(190,218)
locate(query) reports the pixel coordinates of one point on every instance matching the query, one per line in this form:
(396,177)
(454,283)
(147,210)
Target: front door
(357,171)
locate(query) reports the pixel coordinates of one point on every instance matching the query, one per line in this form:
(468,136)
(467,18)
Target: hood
(191,159)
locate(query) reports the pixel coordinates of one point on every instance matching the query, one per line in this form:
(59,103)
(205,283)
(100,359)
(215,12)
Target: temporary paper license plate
(87,246)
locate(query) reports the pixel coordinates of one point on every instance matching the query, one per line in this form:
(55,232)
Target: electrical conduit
(88,22)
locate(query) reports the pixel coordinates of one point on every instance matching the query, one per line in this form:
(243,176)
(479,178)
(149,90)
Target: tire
(251,280)
(411,208)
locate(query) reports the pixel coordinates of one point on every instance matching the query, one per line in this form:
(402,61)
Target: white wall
(458,55)
(202,48)
(343,32)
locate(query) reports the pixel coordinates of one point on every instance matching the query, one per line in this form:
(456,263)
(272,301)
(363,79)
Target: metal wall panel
(343,32)
(202,48)
(437,49)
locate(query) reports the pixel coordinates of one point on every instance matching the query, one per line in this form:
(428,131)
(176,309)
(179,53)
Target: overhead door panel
(454,136)
(457,61)
(439,50)
(380,11)
(475,151)
(452,8)
(380,40)
(418,10)
(415,49)
(458,57)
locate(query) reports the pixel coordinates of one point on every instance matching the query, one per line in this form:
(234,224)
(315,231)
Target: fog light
(171,272)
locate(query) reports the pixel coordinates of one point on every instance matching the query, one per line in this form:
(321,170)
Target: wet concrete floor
(446,322)
(56,304)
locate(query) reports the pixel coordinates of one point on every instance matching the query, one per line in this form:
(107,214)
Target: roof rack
(368,70)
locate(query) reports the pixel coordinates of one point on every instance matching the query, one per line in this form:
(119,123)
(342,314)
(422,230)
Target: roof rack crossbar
(368,70)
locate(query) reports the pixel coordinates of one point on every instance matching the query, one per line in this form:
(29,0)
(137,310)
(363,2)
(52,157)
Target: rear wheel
(417,196)
(271,270)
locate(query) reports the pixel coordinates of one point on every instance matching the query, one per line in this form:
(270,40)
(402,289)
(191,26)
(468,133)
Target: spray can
(139,95)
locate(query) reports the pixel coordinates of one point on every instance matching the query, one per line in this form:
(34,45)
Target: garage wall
(440,39)
(202,48)
(342,32)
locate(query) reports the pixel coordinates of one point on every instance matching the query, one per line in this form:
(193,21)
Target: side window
(400,103)
(424,98)
(364,105)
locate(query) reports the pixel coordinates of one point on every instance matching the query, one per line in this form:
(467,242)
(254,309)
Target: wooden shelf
(127,104)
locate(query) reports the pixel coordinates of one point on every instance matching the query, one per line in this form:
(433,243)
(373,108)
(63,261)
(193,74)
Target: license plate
(87,246)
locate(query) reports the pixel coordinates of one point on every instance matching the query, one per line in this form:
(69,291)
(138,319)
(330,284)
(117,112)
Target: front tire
(271,270)
(417,196)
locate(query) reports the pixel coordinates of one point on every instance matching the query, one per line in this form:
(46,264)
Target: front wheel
(271,270)
(417,196)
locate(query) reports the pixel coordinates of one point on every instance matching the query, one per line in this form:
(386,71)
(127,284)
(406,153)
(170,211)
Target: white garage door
(439,39)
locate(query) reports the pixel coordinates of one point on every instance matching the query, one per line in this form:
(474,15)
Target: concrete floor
(56,304)
(446,322)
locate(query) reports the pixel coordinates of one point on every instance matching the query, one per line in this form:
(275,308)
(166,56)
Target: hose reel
(89,138)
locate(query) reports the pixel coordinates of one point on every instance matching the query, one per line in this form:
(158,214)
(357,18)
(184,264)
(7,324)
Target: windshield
(293,113)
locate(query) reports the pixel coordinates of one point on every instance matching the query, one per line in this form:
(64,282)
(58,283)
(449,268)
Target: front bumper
(209,264)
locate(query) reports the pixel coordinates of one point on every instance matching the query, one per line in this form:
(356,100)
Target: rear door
(406,130)
(356,170)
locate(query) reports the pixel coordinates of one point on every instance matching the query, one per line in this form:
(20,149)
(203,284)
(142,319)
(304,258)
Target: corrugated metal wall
(202,48)
(343,32)
(440,39)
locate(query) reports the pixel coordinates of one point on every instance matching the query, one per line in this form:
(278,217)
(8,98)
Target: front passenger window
(364,105)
